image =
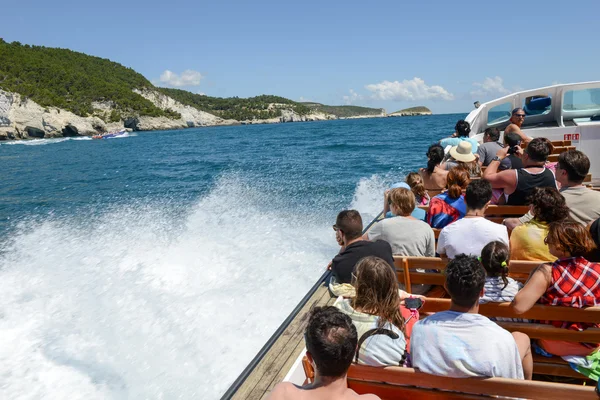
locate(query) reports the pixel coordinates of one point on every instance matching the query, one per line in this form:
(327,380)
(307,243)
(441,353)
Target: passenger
(330,347)
(470,234)
(416,213)
(461,134)
(518,184)
(527,242)
(407,235)
(499,287)
(447,207)
(375,312)
(571,281)
(490,146)
(594,228)
(513,159)
(348,233)
(462,343)
(417,186)
(584,203)
(571,170)
(462,156)
(434,176)
(516,121)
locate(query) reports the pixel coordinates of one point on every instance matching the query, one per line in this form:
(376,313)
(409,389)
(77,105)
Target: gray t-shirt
(583,203)
(488,150)
(407,236)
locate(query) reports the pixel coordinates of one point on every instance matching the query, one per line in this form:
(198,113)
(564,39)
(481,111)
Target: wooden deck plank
(272,364)
(284,361)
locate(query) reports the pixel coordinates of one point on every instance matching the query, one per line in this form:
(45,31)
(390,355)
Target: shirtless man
(516,121)
(331,341)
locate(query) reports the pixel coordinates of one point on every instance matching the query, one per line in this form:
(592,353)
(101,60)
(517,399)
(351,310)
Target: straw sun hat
(463,152)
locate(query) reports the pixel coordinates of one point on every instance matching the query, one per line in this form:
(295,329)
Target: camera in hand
(513,149)
(413,303)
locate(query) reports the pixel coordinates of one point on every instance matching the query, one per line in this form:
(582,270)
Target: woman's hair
(548,205)
(415,181)
(463,128)
(435,155)
(494,258)
(403,199)
(472,167)
(377,291)
(570,237)
(458,179)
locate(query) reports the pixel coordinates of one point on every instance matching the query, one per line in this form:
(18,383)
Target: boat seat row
(408,383)
(406,270)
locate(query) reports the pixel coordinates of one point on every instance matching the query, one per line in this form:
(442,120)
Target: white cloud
(352,98)
(414,89)
(489,87)
(186,78)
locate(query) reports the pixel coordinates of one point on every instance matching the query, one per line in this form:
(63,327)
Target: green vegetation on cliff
(72,81)
(344,111)
(418,109)
(259,107)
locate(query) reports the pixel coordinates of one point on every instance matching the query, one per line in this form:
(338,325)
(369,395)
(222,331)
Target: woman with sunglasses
(516,121)
(570,281)
(375,312)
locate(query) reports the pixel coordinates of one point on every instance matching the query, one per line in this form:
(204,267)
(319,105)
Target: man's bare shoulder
(284,390)
(289,391)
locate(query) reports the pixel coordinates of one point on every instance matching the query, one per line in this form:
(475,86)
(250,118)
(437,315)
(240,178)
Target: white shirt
(469,235)
(463,345)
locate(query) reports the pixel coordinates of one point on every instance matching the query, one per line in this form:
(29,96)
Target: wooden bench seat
(406,270)
(407,383)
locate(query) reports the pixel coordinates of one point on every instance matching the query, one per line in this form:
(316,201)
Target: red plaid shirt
(575,283)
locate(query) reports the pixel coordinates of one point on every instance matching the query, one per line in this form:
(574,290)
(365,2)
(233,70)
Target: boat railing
(263,351)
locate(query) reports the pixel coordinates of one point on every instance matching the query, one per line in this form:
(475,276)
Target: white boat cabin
(559,112)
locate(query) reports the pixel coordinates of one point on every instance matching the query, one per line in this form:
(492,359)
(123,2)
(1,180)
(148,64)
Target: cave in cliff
(34,132)
(69,131)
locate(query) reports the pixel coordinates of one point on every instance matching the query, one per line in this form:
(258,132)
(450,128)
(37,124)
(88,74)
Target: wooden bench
(406,271)
(407,383)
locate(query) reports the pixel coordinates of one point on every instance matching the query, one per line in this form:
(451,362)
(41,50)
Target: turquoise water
(156,265)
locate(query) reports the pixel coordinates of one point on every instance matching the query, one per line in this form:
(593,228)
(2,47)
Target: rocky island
(409,112)
(50,92)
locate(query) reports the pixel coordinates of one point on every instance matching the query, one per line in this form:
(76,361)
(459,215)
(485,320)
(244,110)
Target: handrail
(259,356)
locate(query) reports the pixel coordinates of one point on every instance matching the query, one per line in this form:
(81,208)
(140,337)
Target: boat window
(537,105)
(579,100)
(499,113)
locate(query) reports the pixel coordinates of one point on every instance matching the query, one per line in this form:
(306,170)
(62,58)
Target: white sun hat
(463,152)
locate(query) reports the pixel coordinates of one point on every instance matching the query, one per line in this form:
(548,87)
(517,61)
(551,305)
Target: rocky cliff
(21,118)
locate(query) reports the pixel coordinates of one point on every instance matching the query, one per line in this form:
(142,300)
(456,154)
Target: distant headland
(409,112)
(51,92)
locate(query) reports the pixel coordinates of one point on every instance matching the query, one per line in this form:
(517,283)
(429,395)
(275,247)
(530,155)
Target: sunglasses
(520,115)
(335,227)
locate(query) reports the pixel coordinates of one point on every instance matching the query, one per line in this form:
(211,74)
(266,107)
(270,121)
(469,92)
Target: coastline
(24,119)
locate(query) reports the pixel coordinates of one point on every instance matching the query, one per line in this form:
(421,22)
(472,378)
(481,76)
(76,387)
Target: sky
(384,54)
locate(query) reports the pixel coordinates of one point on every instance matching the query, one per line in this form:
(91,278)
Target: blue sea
(156,265)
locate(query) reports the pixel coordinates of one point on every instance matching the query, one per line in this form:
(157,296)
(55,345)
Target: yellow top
(527,242)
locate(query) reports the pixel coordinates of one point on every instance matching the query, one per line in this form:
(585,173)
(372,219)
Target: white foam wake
(43,142)
(146,302)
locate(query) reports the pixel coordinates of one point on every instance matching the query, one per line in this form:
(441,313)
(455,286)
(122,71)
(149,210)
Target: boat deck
(281,356)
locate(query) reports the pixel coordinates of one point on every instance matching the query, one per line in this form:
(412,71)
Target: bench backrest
(406,270)
(399,382)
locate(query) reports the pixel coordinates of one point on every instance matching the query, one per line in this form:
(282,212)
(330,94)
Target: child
(415,181)
(498,286)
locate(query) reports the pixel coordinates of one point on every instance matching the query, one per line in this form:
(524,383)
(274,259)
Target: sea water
(155,266)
